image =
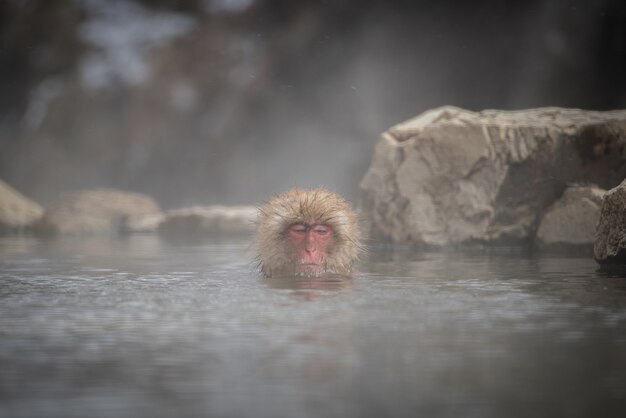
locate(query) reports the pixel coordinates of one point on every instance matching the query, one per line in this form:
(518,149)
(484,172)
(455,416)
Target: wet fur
(274,253)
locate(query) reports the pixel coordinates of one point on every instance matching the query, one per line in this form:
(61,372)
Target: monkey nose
(309,242)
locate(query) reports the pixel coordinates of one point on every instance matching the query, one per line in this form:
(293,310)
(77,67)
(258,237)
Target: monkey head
(307,233)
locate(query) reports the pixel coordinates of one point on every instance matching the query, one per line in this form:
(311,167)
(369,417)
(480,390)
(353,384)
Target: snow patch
(119,34)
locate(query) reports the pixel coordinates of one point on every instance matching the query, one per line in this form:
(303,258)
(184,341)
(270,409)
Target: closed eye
(298,228)
(321,229)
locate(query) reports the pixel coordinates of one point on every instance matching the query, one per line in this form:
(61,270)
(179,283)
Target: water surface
(140,327)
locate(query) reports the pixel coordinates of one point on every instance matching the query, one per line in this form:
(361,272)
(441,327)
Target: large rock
(452,176)
(572,220)
(17,212)
(610,245)
(201,221)
(95,211)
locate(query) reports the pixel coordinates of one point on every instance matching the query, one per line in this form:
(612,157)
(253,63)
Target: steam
(298,97)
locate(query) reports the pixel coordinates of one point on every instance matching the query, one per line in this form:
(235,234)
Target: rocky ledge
(610,243)
(105,211)
(17,212)
(451,176)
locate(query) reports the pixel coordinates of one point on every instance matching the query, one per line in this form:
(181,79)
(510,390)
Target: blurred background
(227,101)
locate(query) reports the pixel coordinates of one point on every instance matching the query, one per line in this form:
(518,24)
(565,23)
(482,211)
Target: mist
(229,101)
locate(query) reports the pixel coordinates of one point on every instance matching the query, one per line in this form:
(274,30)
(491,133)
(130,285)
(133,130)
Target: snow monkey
(307,233)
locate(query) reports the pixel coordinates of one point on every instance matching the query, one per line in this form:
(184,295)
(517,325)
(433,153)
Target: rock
(201,221)
(95,211)
(451,176)
(610,244)
(17,212)
(572,220)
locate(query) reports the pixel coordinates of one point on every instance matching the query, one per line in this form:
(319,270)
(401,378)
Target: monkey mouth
(315,260)
(310,268)
(311,263)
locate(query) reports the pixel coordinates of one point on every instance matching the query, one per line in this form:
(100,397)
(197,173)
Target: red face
(310,243)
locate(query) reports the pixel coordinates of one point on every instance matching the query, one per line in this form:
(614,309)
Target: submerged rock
(572,220)
(17,212)
(610,244)
(95,211)
(215,220)
(451,176)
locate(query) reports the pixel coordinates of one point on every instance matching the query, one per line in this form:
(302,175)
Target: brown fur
(274,253)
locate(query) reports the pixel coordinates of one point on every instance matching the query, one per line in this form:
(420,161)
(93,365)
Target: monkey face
(307,233)
(310,243)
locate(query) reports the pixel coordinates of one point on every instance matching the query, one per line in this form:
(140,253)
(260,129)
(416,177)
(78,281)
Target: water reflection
(310,283)
(141,327)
